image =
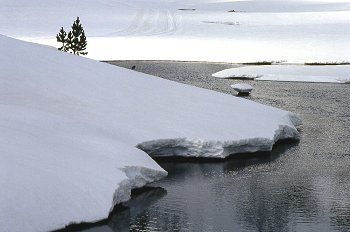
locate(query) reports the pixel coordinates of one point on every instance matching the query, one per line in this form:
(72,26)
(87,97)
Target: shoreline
(270,93)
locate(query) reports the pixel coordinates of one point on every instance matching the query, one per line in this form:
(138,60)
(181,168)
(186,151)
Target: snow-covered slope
(260,30)
(298,73)
(59,163)
(70,127)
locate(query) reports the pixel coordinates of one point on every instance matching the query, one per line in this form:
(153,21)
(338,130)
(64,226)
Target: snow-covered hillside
(70,127)
(199,30)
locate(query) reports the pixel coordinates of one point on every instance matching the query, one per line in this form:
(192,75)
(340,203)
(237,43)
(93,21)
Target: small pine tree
(62,38)
(79,43)
(75,41)
(70,41)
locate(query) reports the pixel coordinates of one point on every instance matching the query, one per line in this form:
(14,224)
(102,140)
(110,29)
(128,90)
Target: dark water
(303,186)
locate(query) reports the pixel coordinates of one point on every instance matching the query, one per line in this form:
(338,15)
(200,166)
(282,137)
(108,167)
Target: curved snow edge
(137,177)
(187,147)
(224,75)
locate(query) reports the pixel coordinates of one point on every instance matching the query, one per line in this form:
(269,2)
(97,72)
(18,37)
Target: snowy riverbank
(71,126)
(243,193)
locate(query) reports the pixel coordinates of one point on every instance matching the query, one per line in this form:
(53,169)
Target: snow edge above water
(187,147)
(137,177)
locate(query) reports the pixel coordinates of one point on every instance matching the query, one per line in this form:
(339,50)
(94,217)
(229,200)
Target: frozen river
(301,186)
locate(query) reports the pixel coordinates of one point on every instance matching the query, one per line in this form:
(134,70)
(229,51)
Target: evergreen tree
(79,43)
(75,41)
(70,41)
(62,38)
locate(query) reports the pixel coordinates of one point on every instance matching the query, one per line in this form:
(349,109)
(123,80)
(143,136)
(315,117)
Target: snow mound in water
(293,73)
(242,88)
(70,125)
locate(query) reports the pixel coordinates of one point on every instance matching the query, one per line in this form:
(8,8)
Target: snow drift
(70,127)
(298,73)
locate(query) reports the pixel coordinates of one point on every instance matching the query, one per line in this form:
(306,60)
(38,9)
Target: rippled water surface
(302,186)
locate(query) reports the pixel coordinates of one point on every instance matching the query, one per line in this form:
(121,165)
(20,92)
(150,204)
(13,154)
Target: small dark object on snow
(231,11)
(133,67)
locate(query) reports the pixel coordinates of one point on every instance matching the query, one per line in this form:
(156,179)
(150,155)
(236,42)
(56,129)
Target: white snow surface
(70,127)
(295,31)
(297,73)
(242,87)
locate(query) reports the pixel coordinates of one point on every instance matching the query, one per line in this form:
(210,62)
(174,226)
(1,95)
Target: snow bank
(56,165)
(294,31)
(70,127)
(299,73)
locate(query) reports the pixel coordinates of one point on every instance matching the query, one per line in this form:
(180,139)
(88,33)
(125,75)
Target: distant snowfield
(70,127)
(294,73)
(259,30)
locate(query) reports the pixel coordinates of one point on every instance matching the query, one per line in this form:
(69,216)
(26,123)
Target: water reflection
(120,219)
(135,207)
(261,193)
(271,208)
(340,218)
(244,201)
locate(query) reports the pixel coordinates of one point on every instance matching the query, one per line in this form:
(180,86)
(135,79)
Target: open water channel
(299,186)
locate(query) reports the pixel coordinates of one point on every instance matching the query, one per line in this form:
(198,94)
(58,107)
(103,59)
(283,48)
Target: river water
(300,186)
